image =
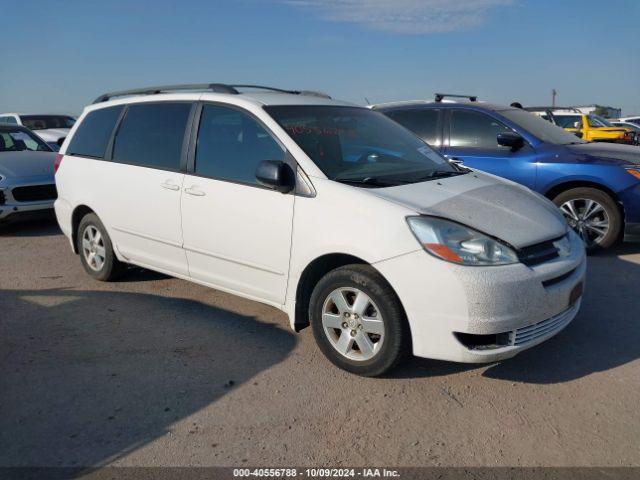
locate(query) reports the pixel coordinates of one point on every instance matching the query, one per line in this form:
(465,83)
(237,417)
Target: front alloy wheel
(353,323)
(588,218)
(358,321)
(593,214)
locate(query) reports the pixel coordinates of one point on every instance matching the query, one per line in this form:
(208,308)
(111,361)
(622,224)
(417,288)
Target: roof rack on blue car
(442,96)
(203,87)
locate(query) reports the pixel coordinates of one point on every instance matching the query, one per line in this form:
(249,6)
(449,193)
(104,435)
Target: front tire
(96,250)
(593,214)
(358,321)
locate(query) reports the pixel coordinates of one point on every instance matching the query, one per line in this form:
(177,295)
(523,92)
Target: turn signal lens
(635,172)
(443,252)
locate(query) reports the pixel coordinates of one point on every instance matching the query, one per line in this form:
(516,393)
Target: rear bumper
(525,305)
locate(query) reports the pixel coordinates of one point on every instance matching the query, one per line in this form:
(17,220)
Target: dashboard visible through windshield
(357,145)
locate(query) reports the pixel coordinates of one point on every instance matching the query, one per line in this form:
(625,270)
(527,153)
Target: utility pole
(554,93)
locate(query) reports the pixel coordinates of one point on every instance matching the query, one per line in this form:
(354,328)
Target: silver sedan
(27,184)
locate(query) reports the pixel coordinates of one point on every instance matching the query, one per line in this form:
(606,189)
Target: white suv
(331,212)
(53,129)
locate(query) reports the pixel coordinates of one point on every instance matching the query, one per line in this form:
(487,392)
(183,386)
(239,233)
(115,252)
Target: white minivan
(328,211)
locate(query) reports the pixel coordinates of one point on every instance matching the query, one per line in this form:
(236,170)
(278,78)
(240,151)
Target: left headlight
(459,244)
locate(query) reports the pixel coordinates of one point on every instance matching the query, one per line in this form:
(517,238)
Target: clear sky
(57,56)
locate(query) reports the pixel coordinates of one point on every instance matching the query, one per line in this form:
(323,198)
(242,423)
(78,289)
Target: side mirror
(578,134)
(276,175)
(511,139)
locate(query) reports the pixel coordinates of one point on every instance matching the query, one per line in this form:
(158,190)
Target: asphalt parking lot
(157,371)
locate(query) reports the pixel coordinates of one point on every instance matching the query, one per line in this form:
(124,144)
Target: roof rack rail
(442,96)
(213,87)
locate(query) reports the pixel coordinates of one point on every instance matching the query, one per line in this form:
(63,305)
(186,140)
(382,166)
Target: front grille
(524,335)
(539,253)
(35,193)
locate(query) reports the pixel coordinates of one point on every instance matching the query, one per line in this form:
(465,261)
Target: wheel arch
(76,217)
(557,189)
(312,274)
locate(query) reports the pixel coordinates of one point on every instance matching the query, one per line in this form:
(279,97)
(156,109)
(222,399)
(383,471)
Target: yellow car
(589,127)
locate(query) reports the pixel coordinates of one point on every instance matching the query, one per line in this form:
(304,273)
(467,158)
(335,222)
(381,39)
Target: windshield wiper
(372,181)
(441,174)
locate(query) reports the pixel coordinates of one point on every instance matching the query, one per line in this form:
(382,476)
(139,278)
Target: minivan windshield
(360,146)
(542,129)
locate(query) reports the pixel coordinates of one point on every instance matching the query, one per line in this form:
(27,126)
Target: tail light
(56,164)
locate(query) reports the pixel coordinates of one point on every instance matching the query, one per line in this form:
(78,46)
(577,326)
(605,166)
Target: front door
(237,233)
(473,141)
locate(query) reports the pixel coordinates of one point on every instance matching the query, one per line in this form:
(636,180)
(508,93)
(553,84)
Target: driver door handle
(193,190)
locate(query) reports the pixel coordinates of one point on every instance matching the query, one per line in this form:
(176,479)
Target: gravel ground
(155,371)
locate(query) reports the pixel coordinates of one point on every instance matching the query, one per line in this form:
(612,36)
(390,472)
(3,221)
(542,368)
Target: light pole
(554,93)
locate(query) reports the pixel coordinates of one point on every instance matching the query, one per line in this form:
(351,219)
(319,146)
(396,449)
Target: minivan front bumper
(455,312)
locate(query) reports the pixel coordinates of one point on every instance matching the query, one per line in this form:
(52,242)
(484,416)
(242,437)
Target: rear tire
(358,321)
(593,214)
(96,250)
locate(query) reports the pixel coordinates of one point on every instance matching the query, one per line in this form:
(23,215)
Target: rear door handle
(193,190)
(170,186)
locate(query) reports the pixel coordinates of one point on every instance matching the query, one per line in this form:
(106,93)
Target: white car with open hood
(331,212)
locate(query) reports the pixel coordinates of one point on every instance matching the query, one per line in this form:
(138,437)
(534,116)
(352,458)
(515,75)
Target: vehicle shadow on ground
(45,226)
(604,335)
(89,376)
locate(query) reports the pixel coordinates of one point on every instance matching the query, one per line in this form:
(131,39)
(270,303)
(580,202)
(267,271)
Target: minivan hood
(26,164)
(502,209)
(624,154)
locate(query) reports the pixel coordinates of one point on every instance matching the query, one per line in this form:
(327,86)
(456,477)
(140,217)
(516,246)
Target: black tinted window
(231,144)
(475,129)
(151,135)
(93,134)
(423,123)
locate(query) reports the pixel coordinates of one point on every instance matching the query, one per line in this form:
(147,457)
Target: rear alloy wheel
(593,215)
(96,250)
(358,321)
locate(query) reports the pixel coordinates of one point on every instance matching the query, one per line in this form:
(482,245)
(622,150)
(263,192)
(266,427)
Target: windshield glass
(19,140)
(42,122)
(596,121)
(543,130)
(353,144)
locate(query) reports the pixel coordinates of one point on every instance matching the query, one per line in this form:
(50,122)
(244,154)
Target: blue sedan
(596,185)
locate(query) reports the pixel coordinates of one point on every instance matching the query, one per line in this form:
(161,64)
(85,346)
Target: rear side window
(475,130)
(151,135)
(93,134)
(422,122)
(231,144)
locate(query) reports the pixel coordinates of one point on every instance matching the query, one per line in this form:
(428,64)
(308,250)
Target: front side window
(471,129)
(422,122)
(43,122)
(231,144)
(19,141)
(540,129)
(357,145)
(93,134)
(151,135)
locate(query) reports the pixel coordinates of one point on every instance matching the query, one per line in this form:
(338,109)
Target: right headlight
(459,244)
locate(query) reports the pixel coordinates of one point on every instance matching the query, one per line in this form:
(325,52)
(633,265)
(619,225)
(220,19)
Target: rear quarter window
(92,135)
